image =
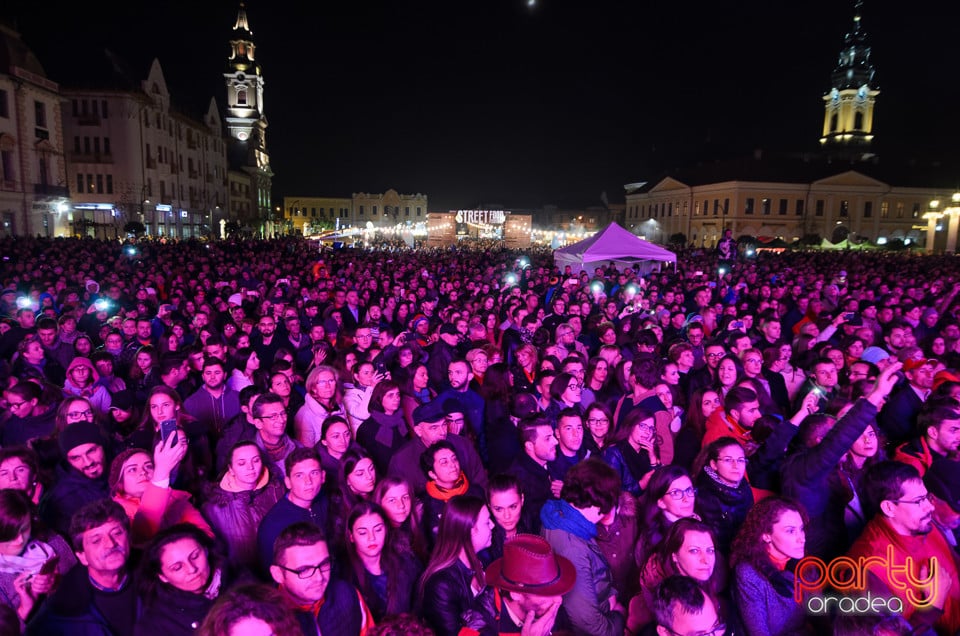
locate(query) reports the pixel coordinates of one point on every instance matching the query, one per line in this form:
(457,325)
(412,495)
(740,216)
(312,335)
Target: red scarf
(445,494)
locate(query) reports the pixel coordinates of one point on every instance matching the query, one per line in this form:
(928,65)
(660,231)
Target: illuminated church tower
(848,107)
(246,122)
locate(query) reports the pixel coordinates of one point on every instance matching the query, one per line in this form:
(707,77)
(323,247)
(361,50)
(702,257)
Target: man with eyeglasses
(902,528)
(683,609)
(303,569)
(270,420)
(706,375)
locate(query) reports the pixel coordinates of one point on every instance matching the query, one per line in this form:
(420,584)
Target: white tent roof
(613,243)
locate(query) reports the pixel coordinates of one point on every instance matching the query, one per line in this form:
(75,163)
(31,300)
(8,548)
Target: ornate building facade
(34,199)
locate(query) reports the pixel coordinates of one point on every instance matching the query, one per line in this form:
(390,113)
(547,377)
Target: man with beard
(460,374)
(81,477)
(902,528)
(214,403)
(531,467)
(97,596)
(265,340)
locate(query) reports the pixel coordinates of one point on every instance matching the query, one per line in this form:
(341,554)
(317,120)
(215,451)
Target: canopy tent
(613,244)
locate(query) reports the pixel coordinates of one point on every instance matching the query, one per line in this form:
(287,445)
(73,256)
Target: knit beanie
(78,434)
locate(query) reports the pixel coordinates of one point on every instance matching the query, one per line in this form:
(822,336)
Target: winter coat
(765,610)
(157,509)
(71,611)
(173,612)
(235,514)
(806,475)
(308,422)
(449,603)
(587,604)
(70,492)
(722,507)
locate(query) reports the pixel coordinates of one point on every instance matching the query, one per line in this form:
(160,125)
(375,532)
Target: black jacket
(71,491)
(722,507)
(173,612)
(449,604)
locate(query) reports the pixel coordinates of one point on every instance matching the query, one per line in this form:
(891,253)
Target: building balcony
(91,157)
(45,189)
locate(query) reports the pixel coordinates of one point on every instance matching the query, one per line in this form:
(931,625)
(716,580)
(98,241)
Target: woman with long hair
(164,404)
(723,494)
(415,391)
(237,503)
(600,434)
(764,556)
(180,577)
(335,440)
(525,370)
(595,382)
(703,403)
(385,575)
(245,364)
(729,371)
(635,454)
(133,479)
(452,591)
(404,514)
(385,430)
(143,372)
(24,548)
(565,392)
(280,384)
(669,497)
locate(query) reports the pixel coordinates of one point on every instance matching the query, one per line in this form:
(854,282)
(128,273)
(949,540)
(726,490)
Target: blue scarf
(557,514)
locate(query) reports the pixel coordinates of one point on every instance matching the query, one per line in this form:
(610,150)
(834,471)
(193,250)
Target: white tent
(613,244)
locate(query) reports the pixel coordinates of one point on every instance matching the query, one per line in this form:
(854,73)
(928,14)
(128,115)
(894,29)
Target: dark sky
(494,102)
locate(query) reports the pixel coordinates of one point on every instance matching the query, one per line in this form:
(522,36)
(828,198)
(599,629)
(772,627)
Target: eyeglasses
(753,360)
(15,405)
(598,420)
(575,385)
(79,414)
(273,416)
(717,630)
(308,571)
(716,355)
(677,494)
(927,498)
(738,461)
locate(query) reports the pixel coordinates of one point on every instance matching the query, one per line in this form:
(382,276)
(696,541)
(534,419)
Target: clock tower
(246,122)
(848,116)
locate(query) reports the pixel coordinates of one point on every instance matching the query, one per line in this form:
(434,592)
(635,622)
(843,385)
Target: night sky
(495,102)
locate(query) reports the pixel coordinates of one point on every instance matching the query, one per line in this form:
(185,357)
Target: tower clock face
(242,136)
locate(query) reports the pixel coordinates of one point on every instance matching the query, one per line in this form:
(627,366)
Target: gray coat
(588,604)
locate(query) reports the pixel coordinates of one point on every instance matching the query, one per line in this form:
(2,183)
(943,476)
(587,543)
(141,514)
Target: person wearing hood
(83,381)
(590,491)
(81,477)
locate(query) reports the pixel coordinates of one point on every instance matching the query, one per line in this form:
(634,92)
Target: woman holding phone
(29,560)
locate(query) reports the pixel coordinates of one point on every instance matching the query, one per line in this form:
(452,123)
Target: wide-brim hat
(530,566)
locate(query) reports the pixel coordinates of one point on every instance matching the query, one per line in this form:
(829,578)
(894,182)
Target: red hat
(944,376)
(530,566)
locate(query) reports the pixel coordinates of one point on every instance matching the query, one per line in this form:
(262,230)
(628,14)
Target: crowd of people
(266,437)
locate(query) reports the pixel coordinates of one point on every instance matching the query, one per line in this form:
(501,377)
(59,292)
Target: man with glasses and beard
(902,528)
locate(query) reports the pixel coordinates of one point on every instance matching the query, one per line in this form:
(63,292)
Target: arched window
(242,96)
(858,121)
